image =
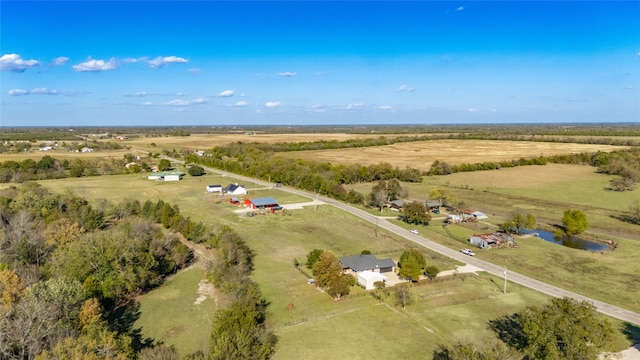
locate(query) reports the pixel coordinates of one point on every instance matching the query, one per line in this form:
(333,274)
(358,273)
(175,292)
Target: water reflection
(569,241)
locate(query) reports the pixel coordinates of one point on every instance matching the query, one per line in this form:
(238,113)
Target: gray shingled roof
(265,201)
(365,262)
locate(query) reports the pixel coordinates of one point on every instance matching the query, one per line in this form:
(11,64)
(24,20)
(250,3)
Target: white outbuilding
(369,278)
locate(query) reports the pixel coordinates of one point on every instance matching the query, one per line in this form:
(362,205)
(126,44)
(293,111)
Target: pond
(569,241)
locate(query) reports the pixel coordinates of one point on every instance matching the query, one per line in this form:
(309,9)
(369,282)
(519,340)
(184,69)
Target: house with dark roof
(358,263)
(396,204)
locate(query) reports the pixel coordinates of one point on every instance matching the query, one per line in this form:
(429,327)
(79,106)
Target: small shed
(214,188)
(479,215)
(485,241)
(166,176)
(369,278)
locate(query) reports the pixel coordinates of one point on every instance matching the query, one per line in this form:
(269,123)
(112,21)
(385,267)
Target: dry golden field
(208,141)
(421,154)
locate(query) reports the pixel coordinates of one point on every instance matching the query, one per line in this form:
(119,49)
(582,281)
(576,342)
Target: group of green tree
(239,328)
(328,273)
(322,178)
(68,271)
(51,168)
(561,329)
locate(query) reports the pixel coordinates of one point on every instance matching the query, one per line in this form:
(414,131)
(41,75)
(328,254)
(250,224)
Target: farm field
(209,141)
(421,154)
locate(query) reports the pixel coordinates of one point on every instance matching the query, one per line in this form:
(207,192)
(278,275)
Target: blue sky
(318,63)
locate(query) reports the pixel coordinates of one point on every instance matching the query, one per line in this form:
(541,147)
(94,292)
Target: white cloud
(194,71)
(472,110)
(319,108)
(199,101)
(133,60)
(14,62)
(17,92)
(405,87)
(137,94)
(96,65)
(44,91)
(273,104)
(287,74)
(60,60)
(178,102)
(227,93)
(350,107)
(147,103)
(160,61)
(460,8)
(240,103)
(386,107)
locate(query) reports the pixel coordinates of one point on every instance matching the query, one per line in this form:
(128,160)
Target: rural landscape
(285,180)
(443,242)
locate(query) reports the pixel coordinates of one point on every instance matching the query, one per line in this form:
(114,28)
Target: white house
(235,189)
(369,278)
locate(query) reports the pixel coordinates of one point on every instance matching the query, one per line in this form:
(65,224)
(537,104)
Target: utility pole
(505,280)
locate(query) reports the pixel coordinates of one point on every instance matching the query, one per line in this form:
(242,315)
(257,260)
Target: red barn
(262,203)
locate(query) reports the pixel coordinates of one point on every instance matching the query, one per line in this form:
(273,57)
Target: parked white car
(414,231)
(468,252)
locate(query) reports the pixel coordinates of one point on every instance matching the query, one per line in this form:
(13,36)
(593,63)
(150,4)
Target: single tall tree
(416,212)
(411,264)
(574,221)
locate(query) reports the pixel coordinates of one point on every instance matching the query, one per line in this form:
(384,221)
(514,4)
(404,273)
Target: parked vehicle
(468,252)
(414,231)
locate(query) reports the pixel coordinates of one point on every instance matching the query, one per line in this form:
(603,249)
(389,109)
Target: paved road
(608,309)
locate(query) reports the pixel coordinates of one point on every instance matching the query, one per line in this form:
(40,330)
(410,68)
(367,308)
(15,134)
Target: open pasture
(209,141)
(421,154)
(178,312)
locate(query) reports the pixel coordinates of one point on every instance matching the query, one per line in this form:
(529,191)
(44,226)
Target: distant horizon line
(328,125)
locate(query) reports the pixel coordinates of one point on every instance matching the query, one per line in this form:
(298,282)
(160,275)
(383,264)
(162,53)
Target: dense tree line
(51,168)
(323,178)
(239,328)
(67,269)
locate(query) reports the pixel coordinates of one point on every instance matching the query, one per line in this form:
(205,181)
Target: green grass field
(445,311)
(170,313)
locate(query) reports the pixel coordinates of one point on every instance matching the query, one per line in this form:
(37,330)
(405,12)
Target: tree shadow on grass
(632,332)
(122,320)
(508,328)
